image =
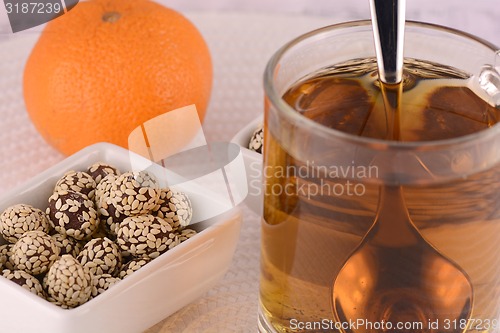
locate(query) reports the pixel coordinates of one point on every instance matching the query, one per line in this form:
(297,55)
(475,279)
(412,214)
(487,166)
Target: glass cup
(322,196)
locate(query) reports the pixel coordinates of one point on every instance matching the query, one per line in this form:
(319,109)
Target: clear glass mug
(322,189)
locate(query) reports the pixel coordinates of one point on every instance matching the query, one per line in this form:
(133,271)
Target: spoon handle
(393,226)
(388,19)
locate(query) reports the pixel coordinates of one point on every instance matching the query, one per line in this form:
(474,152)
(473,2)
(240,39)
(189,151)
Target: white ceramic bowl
(253,165)
(144,298)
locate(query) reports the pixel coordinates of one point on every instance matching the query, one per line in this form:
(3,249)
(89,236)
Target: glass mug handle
(489,80)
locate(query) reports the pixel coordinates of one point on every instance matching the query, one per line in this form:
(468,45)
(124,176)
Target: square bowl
(253,165)
(163,286)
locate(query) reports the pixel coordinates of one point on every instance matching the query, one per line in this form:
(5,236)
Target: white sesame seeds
(257,141)
(77,216)
(101,283)
(174,207)
(25,280)
(6,257)
(128,194)
(67,245)
(34,252)
(101,256)
(133,266)
(100,170)
(77,181)
(68,282)
(103,189)
(134,234)
(18,219)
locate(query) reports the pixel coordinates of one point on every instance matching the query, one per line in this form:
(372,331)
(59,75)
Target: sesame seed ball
(72,214)
(135,193)
(35,252)
(257,141)
(100,170)
(181,236)
(133,266)
(101,283)
(110,217)
(57,303)
(103,190)
(6,257)
(144,235)
(18,219)
(77,181)
(5,253)
(101,256)
(67,245)
(68,282)
(106,210)
(175,208)
(25,280)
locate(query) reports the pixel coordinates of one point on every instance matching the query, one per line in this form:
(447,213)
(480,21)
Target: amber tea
(315,215)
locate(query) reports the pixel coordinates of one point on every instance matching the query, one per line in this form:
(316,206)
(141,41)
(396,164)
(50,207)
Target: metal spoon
(388,21)
(394,275)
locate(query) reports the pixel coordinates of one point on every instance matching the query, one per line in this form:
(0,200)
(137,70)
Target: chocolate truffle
(101,283)
(34,252)
(100,170)
(103,190)
(55,302)
(175,208)
(180,236)
(133,266)
(25,280)
(77,181)
(101,256)
(144,235)
(110,217)
(67,245)
(6,257)
(72,214)
(135,193)
(257,141)
(18,219)
(68,283)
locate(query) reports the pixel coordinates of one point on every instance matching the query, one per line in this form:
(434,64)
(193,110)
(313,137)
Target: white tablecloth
(240,45)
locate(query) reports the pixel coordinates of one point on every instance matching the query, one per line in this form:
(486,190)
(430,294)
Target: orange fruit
(107,66)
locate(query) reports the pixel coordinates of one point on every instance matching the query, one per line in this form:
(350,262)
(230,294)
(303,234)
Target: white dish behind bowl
(157,290)
(253,166)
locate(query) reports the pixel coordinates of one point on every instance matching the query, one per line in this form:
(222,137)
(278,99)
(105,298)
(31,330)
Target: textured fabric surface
(240,44)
